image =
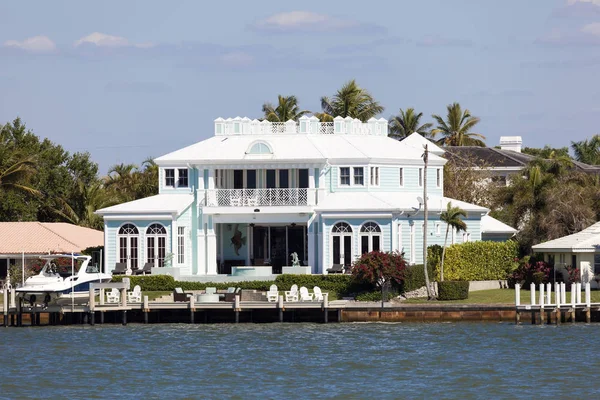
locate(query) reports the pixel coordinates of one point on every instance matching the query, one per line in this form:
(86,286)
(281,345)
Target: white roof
(492,225)
(388,201)
(161,203)
(299,148)
(418,142)
(586,241)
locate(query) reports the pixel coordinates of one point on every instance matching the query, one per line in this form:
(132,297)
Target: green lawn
(503,296)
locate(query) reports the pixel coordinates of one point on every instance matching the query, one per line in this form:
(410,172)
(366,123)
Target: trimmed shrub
(374,296)
(453,290)
(480,261)
(528,272)
(377,267)
(414,277)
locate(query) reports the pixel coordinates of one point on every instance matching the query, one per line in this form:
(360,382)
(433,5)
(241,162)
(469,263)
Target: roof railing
(304,125)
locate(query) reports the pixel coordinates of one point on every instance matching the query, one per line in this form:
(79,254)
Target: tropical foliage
(587,151)
(286,109)
(349,101)
(41,181)
(378,268)
(406,122)
(453,219)
(456,129)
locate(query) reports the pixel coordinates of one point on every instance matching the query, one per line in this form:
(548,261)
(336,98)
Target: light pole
(425,161)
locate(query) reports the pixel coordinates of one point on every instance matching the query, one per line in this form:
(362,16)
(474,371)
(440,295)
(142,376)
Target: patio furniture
(336,269)
(210,290)
(317,294)
(120,269)
(147,269)
(292,294)
(272,294)
(180,295)
(135,296)
(113,296)
(207,298)
(230,296)
(304,295)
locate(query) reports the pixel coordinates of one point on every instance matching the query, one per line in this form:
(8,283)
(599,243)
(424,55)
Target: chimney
(512,143)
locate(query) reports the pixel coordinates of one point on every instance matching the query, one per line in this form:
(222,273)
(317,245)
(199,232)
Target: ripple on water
(359,360)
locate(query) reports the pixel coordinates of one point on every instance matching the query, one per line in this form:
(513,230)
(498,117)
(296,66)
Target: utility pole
(430,295)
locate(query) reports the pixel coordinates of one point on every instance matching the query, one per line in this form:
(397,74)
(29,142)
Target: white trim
(341,235)
(377,176)
(352,176)
(399,246)
(139,217)
(348,215)
(370,236)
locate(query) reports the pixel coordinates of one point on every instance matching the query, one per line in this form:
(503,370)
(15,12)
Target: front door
(156,250)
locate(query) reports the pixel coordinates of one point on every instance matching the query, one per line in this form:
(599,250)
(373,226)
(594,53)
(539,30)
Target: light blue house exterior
(257,191)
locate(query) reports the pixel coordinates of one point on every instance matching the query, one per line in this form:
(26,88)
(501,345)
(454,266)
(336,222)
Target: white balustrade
(578,285)
(542,295)
(532,292)
(548,293)
(563,293)
(517,294)
(305,125)
(260,197)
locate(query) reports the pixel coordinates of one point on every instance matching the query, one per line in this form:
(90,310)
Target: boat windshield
(61,266)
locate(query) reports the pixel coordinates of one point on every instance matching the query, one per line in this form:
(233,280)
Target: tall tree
(287,109)
(407,122)
(16,166)
(349,101)
(453,218)
(456,129)
(587,151)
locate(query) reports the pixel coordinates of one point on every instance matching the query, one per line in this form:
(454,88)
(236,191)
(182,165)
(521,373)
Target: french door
(128,245)
(156,245)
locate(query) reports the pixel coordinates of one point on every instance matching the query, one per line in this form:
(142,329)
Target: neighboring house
(501,163)
(258,191)
(27,240)
(580,250)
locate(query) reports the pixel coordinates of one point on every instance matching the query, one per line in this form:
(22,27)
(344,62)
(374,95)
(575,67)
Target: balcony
(259,197)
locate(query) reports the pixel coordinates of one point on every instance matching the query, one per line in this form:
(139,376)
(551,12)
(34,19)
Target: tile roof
(44,237)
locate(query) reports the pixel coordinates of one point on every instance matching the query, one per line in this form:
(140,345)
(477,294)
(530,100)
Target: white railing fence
(560,295)
(259,197)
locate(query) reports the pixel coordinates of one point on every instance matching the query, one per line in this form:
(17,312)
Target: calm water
(464,360)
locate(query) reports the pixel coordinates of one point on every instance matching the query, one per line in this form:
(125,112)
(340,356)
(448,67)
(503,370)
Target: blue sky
(126,80)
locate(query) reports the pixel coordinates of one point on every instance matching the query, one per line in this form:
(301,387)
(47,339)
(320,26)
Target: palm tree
(405,123)
(587,151)
(350,101)
(452,218)
(457,128)
(287,109)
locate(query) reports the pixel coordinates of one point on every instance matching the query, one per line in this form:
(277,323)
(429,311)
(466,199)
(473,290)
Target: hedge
(344,285)
(479,261)
(453,290)
(414,277)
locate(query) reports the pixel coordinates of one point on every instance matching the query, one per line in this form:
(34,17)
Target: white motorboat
(61,275)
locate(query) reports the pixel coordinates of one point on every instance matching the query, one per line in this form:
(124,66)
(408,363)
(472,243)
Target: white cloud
(36,44)
(307,21)
(592,29)
(574,2)
(103,40)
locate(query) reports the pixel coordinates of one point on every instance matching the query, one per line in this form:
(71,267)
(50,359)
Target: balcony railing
(259,197)
(304,125)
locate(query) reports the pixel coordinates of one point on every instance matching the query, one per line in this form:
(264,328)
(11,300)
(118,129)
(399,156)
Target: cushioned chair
(120,269)
(336,269)
(147,270)
(180,295)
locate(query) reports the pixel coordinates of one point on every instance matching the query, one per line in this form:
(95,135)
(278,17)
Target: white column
(248,244)
(174,249)
(200,179)
(322,237)
(106,254)
(311,250)
(211,178)
(312,192)
(211,251)
(201,250)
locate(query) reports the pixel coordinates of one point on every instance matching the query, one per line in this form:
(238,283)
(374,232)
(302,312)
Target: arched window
(156,245)
(260,148)
(128,241)
(370,237)
(341,244)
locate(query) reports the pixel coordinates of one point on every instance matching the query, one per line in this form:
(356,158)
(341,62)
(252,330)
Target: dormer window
(170,177)
(182,180)
(260,148)
(176,177)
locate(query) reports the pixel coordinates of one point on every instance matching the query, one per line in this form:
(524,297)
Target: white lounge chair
(114,296)
(317,294)
(304,295)
(135,296)
(273,293)
(292,294)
